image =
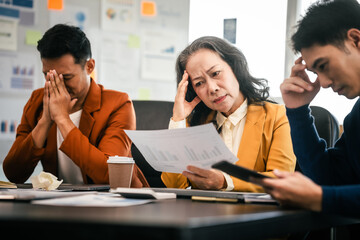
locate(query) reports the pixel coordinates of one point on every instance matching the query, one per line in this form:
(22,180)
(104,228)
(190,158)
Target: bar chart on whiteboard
(174,149)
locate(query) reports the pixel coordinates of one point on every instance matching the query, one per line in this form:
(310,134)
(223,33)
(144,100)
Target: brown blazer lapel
(251,139)
(92,104)
(86,123)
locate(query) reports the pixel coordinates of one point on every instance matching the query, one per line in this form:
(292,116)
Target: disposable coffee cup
(120,171)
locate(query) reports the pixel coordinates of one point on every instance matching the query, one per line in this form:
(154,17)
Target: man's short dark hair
(63,39)
(326,22)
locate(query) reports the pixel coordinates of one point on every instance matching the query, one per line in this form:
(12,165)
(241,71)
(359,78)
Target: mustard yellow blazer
(265,145)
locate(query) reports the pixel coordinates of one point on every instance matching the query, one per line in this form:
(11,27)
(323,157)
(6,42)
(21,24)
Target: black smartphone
(237,171)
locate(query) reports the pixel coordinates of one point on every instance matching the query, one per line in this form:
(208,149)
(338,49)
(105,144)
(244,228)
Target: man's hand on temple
(298,90)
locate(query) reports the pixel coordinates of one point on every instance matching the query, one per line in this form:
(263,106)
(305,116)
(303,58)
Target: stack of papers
(259,198)
(7,185)
(207,195)
(188,193)
(143,193)
(65,198)
(93,200)
(32,194)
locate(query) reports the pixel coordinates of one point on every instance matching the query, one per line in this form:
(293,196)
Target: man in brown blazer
(73,124)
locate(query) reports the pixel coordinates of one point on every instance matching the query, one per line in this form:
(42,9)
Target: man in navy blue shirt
(328,38)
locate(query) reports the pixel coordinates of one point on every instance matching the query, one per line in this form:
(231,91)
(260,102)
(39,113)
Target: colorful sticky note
(55,4)
(134,41)
(27,18)
(32,37)
(148,8)
(144,94)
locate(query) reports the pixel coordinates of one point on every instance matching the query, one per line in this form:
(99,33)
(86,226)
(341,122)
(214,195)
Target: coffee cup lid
(117,159)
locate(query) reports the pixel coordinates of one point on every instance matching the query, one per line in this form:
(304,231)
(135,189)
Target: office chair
(150,115)
(328,129)
(326,125)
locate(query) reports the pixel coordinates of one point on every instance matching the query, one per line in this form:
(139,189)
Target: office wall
(263,35)
(260,33)
(134,45)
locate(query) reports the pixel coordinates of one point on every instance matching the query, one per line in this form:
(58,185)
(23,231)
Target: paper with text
(93,200)
(173,149)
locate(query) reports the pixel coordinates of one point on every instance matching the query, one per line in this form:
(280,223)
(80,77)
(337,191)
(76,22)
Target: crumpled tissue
(45,181)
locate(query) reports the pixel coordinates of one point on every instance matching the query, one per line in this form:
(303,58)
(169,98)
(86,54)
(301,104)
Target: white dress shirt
(68,170)
(231,132)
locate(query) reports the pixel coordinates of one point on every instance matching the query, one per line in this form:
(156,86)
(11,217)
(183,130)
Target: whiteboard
(134,48)
(138,47)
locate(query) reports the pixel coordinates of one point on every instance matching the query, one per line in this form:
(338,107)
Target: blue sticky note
(24,3)
(3,126)
(9,12)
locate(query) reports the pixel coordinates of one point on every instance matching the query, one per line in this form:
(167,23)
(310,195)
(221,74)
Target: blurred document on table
(93,200)
(171,150)
(4,184)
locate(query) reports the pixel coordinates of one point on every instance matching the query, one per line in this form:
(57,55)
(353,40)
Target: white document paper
(34,194)
(93,200)
(8,34)
(173,149)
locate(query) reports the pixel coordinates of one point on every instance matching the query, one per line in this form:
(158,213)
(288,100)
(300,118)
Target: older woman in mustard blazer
(214,85)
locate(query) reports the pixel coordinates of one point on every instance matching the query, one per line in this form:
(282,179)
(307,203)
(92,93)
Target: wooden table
(166,219)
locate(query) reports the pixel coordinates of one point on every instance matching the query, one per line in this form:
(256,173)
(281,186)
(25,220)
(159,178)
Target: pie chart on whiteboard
(110,13)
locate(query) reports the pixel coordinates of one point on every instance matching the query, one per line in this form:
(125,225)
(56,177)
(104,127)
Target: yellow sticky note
(148,8)
(32,37)
(144,94)
(134,41)
(55,4)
